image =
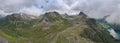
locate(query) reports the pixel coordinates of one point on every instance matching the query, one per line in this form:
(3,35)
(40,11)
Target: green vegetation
(104,25)
(53,28)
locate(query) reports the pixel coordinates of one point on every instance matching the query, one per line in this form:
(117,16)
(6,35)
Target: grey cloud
(100,8)
(93,8)
(14,5)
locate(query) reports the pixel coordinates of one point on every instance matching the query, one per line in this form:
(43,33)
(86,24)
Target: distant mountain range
(53,27)
(116,27)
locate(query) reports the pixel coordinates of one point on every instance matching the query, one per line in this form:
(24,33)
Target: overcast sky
(93,8)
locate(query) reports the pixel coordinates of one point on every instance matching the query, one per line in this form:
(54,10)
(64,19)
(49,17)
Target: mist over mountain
(53,27)
(59,21)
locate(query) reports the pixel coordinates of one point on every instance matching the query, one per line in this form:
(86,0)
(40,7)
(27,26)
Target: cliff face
(53,28)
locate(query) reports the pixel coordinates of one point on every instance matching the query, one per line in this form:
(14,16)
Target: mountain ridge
(54,28)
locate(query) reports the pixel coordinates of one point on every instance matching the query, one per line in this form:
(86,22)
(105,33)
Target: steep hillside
(53,28)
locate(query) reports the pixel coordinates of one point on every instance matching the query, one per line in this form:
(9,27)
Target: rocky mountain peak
(14,16)
(52,16)
(20,17)
(82,14)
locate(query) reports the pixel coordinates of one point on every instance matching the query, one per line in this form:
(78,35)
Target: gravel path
(3,40)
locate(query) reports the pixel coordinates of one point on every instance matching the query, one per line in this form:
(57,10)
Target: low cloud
(31,10)
(114,18)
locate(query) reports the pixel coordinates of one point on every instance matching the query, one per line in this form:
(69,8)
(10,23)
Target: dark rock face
(14,17)
(91,34)
(52,14)
(82,14)
(91,21)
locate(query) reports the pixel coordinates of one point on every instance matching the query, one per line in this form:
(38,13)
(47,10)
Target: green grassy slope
(52,28)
